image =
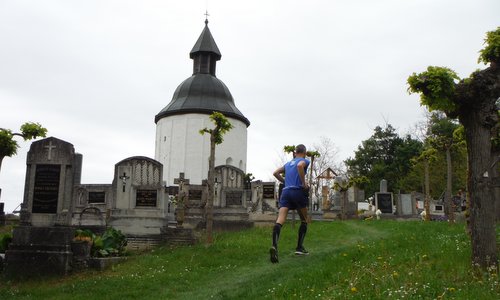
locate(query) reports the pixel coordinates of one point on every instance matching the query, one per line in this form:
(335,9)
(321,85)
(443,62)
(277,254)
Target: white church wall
(181,148)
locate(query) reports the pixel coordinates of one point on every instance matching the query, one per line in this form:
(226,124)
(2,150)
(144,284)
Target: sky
(96,72)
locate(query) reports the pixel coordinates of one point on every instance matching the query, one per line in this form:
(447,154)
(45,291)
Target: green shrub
(111,243)
(5,240)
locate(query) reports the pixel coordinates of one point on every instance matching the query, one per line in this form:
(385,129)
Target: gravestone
(383,186)
(262,204)
(383,201)
(91,203)
(182,199)
(406,205)
(269,197)
(230,211)
(138,207)
(41,245)
(53,169)
(256,199)
(187,210)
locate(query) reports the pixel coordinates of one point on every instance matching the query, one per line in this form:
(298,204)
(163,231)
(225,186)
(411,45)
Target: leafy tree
(222,126)
(427,156)
(441,137)
(385,155)
(9,146)
(437,169)
(474,101)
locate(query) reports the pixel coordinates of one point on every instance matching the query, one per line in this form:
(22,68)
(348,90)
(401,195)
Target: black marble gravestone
(384,202)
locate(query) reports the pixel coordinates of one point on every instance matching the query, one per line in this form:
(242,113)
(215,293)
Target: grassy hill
(348,260)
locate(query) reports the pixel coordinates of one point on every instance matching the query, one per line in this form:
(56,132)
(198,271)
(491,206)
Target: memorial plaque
(233,197)
(384,202)
(97,197)
(46,189)
(146,198)
(268,191)
(195,194)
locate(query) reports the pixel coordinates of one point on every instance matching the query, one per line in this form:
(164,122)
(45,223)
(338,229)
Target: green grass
(348,260)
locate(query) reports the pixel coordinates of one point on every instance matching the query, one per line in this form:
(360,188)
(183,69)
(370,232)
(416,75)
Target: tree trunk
(482,205)
(427,191)
(211,183)
(450,209)
(496,190)
(1,159)
(310,183)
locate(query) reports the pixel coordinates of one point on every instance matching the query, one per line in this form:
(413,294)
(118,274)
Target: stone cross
(182,182)
(50,147)
(124,178)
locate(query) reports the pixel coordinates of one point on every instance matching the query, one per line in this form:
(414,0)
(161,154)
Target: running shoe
(273,252)
(301,251)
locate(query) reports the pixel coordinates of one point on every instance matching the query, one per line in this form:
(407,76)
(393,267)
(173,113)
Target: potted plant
(82,243)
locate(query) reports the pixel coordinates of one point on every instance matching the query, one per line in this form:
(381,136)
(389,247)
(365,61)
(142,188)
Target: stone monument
(406,205)
(383,199)
(138,208)
(91,206)
(41,245)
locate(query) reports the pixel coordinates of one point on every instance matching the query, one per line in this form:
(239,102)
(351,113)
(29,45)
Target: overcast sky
(95,73)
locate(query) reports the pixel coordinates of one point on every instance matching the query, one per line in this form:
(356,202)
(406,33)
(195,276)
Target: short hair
(300,149)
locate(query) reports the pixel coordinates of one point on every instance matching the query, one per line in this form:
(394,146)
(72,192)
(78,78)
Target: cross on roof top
(206,17)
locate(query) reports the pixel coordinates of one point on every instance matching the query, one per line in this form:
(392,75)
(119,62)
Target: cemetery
(191,222)
(140,205)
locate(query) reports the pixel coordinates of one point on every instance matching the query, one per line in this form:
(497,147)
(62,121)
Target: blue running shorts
(294,198)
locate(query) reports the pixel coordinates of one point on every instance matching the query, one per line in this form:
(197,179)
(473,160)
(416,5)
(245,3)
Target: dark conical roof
(205,43)
(203,92)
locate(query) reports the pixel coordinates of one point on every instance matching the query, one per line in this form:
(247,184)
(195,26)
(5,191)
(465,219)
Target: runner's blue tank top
(292,178)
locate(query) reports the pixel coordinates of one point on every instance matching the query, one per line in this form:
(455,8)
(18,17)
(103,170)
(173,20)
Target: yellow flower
(344,254)
(354,289)
(380,258)
(395,274)
(451,289)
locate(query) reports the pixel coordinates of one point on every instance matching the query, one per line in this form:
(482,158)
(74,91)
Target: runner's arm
(278,175)
(302,173)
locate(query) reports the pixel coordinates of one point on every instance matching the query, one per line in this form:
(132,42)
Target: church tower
(179,145)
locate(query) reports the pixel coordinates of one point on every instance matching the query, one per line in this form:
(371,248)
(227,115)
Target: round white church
(179,145)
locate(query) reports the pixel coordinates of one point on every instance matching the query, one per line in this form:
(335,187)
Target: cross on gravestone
(183,193)
(124,178)
(181,180)
(49,147)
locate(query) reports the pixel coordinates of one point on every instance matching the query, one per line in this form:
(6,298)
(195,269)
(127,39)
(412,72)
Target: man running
(294,196)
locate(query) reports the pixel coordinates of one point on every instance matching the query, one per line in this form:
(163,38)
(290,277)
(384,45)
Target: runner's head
(300,150)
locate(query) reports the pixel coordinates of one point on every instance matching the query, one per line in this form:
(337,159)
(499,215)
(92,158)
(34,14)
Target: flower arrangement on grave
(177,200)
(84,235)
